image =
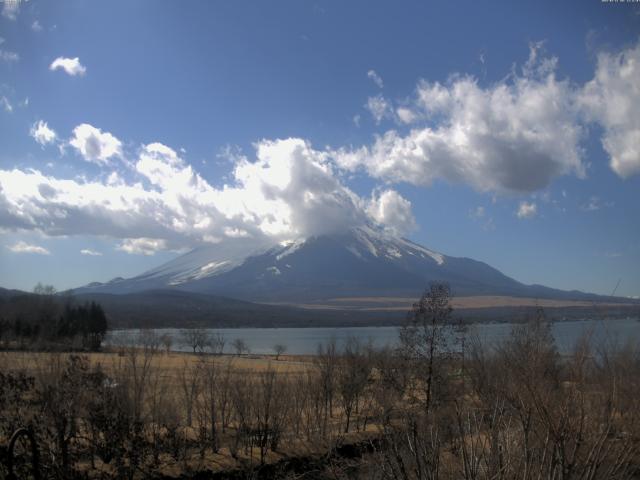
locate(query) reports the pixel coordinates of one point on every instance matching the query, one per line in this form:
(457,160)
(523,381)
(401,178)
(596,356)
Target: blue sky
(505,132)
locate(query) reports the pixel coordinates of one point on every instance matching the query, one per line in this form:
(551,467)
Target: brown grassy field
(169,363)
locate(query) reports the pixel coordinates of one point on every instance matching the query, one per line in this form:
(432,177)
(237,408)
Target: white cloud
(142,246)
(94,145)
(10,9)
(36,26)
(514,136)
(527,210)
(612,99)
(89,252)
(406,115)
(41,133)
(8,57)
(23,247)
(377,79)
(292,189)
(71,66)
(289,190)
(390,209)
(379,107)
(6,104)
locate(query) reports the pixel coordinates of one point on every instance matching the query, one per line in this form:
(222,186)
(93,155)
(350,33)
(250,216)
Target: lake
(304,341)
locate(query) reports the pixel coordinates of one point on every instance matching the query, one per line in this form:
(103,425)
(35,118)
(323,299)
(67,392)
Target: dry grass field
(168,363)
(200,412)
(403,304)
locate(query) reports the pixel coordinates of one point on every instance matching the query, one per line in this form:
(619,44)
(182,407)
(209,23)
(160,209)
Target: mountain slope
(360,262)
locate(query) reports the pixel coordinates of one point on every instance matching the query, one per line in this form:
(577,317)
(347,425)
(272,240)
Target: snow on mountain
(363,261)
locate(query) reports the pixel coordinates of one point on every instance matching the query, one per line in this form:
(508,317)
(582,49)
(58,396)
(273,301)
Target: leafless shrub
(240,346)
(195,338)
(279,349)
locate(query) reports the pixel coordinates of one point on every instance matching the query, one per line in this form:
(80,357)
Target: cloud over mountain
(289,190)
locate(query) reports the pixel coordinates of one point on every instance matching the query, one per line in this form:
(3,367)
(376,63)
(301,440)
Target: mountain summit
(361,262)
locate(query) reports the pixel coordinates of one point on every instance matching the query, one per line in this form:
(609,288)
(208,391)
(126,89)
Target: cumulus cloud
(390,209)
(142,246)
(514,136)
(379,108)
(94,145)
(377,79)
(36,26)
(24,247)
(527,210)
(292,189)
(41,133)
(71,66)
(289,190)
(612,99)
(89,252)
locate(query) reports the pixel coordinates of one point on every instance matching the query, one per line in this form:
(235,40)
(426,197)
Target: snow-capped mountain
(363,262)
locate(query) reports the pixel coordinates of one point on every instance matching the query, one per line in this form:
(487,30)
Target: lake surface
(304,341)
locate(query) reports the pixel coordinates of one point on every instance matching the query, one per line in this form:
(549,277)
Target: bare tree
(326,363)
(217,343)
(353,375)
(209,376)
(279,349)
(167,342)
(425,338)
(40,289)
(189,388)
(149,341)
(240,346)
(196,338)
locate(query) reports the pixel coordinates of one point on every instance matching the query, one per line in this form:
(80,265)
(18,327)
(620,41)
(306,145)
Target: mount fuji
(363,262)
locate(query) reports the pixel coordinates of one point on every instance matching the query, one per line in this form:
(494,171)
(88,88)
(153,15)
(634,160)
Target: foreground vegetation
(439,406)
